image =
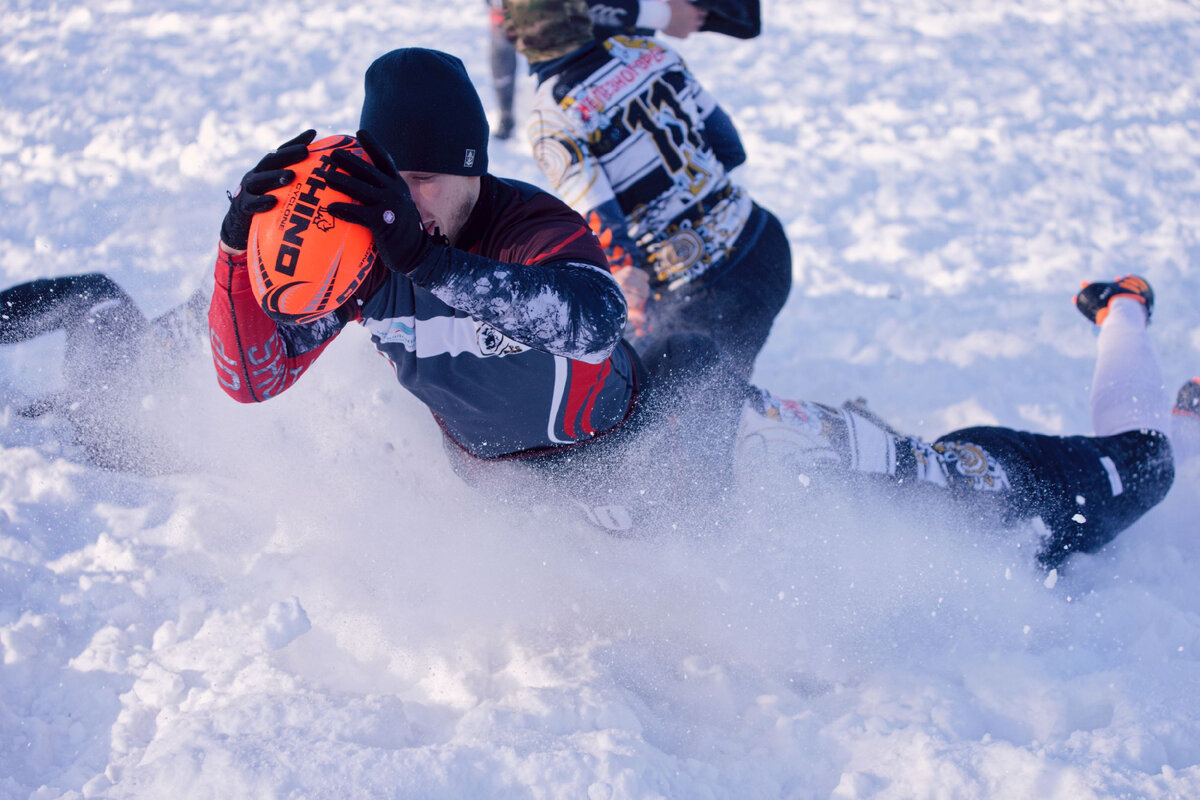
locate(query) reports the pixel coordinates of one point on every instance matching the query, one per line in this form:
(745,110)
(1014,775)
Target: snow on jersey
(631,131)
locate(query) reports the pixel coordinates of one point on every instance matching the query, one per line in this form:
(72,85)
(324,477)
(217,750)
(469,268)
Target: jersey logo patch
(394,331)
(492,342)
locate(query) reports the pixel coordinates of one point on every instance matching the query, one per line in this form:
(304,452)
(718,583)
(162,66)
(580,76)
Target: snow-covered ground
(317,607)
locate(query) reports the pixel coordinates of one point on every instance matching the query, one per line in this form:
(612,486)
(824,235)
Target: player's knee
(1152,466)
(1139,470)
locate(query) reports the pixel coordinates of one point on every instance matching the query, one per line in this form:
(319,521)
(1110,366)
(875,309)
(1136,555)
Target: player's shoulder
(521,189)
(518,200)
(522,206)
(529,225)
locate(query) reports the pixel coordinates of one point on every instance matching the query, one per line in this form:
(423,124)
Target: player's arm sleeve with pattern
(716,126)
(548,291)
(723,138)
(255,357)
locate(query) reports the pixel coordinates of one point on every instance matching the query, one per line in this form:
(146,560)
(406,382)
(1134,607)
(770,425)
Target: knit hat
(422,107)
(543,30)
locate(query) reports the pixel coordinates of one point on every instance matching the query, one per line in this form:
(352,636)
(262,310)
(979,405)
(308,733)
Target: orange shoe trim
(1102,314)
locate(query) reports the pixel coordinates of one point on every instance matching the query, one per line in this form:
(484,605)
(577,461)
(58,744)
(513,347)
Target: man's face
(445,201)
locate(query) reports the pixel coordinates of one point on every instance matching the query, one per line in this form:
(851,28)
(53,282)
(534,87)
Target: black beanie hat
(422,107)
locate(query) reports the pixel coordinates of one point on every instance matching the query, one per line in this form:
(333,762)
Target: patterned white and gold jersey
(628,125)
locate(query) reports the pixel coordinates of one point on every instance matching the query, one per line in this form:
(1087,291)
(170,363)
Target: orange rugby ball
(304,262)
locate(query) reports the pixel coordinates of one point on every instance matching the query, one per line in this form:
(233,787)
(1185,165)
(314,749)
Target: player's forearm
(248,353)
(568,308)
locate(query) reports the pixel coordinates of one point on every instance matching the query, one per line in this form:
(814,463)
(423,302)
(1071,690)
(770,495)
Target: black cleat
(1093,299)
(1188,401)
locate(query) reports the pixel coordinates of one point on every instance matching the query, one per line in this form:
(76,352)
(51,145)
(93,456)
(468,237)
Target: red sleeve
(249,354)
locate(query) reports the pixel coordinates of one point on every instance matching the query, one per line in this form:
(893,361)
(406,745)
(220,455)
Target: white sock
(1127,386)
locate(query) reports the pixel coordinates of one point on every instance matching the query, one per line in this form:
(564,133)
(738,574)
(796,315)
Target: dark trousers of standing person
(504,72)
(737,305)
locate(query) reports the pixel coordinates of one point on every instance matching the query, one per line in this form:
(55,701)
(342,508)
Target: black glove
(741,19)
(387,209)
(251,196)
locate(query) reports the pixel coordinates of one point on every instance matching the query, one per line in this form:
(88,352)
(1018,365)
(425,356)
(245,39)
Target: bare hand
(686,19)
(635,284)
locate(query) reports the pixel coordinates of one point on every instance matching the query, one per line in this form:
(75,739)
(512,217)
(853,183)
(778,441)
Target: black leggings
(736,308)
(104,328)
(1086,489)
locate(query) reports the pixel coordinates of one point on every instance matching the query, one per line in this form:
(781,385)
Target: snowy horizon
(317,607)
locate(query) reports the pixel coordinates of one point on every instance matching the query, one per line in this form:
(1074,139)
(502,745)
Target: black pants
(504,68)
(1086,489)
(105,365)
(735,307)
(104,328)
